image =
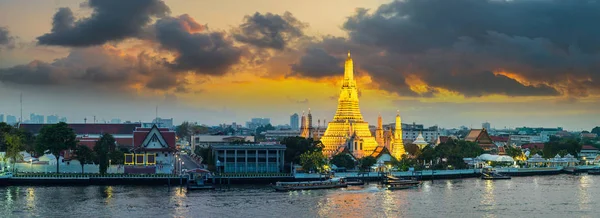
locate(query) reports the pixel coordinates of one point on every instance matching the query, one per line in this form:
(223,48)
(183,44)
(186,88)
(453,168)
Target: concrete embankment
(95,180)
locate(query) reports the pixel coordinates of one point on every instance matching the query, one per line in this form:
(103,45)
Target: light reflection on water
(547,196)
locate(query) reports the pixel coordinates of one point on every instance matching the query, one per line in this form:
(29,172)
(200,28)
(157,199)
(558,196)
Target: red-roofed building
(530,146)
(155,146)
(482,138)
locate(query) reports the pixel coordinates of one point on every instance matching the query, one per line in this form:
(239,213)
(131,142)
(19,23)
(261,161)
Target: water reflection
(583,192)
(30,199)
(107,193)
(488,195)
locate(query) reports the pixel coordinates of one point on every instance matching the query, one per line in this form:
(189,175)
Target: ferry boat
(197,179)
(489,174)
(595,171)
(326,184)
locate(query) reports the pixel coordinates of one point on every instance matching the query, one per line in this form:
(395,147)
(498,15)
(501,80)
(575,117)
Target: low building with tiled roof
(482,138)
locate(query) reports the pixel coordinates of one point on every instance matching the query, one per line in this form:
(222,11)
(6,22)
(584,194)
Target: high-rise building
(52,119)
(348,122)
(163,123)
(1,118)
(10,119)
(486,125)
(37,119)
(294,122)
(115,120)
(62,120)
(256,122)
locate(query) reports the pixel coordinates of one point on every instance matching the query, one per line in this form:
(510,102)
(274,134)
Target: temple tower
(379,131)
(397,144)
(347,118)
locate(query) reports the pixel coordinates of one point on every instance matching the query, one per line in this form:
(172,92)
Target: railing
(90,175)
(251,175)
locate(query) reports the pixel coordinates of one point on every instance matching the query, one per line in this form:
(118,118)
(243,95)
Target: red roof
(533,145)
(499,139)
(589,147)
(141,133)
(92,128)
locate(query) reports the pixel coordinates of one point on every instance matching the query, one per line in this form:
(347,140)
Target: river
(536,196)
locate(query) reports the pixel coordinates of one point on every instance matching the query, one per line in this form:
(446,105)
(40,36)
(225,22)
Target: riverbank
(228,179)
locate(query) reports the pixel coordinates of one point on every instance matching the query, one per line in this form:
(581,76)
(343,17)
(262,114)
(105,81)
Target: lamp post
(30,165)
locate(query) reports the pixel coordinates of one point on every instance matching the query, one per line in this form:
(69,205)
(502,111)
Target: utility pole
(21,121)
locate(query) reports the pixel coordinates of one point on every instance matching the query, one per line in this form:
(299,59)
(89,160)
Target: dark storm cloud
(211,53)
(318,63)
(270,30)
(545,44)
(6,40)
(94,67)
(4,36)
(111,20)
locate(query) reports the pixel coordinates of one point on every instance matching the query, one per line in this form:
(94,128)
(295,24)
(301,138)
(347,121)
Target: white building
(518,140)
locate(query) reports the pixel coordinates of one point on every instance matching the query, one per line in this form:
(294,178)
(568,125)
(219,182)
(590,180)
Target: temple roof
(420,140)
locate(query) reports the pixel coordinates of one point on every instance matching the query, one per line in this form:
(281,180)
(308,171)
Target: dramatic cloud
(111,20)
(211,53)
(270,30)
(5,39)
(103,67)
(318,63)
(476,48)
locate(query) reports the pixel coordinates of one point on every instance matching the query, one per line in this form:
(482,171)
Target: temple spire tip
(348,53)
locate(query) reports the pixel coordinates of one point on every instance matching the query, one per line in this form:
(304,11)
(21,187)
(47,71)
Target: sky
(449,63)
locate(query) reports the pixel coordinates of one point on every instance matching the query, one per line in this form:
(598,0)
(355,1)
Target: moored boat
(402,185)
(595,171)
(326,184)
(489,174)
(354,182)
(197,180)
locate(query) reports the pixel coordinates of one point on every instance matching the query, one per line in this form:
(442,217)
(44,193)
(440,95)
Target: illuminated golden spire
(349,70)
(348,119)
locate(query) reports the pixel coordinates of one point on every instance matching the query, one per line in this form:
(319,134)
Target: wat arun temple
(348,132)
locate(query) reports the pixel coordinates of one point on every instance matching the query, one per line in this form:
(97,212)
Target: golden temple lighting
(348,129)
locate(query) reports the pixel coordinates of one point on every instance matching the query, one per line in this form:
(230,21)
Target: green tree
(14,144)
(54,139)
(515,153)
(296,146)
(366,163)
(84,155)
(555,145)
(313,160)
(412,149)
(117,156)
(5,129)
(102,150)
(342,160)
(596,130)
(185,130)
(404,163)
(453,151)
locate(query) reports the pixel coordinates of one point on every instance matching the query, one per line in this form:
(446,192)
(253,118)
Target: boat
(402,185)
(325,184)
(395,180)
(354,182)
(197,179)
(490,174)
(594,171)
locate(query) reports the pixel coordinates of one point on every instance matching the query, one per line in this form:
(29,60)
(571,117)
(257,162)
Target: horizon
(276,58)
